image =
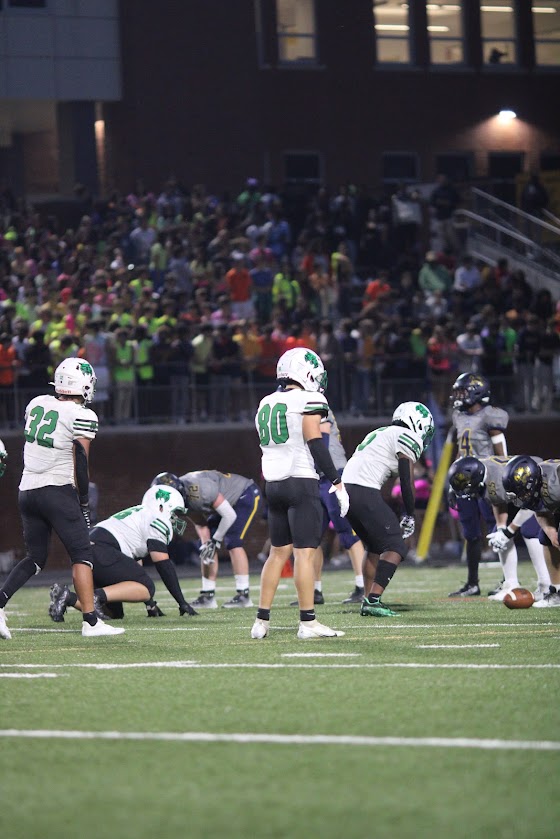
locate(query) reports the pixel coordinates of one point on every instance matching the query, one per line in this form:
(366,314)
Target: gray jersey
(550,492)
(495,467)
(204,487)
(473,430)
(336,448)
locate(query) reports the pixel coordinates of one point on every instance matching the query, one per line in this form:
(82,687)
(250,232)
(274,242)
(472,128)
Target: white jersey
(51,425)
(136,527)
(279,420)
(376,458)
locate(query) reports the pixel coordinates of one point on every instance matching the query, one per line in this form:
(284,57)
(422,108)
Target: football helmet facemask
(304,367)
(416,417)
(470,389)
(75,377)
(522,480)
(466,478)
(166,499)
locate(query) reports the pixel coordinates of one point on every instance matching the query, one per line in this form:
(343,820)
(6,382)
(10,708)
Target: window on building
(546,26)
(445,31)
(458,166)
(392,31)
(302,167)
(497,21)
(295,22)
(400,167)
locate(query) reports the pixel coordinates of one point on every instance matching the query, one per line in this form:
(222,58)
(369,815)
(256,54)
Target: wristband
(509,533)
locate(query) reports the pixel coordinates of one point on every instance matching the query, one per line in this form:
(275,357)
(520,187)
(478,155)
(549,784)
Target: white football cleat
(502,591)
(259,629)
(540,591)
(549,600)
(100,628)
(4,631)
(314,629)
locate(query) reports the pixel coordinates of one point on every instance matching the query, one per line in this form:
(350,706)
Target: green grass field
(442,722)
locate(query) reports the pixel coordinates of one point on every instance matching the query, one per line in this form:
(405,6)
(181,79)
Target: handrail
(521,213)
(551,216)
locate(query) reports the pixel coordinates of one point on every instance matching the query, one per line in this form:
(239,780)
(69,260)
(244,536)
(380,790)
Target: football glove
(501,539)
(341,497)
(154,611)
(407,526)
(186,609)
(207,551)
(86,514)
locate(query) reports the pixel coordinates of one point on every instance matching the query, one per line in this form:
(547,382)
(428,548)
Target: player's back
(473,430)
(51,425)
(204,486)
(279,422)
(550,492)
(135,527)
(376,458)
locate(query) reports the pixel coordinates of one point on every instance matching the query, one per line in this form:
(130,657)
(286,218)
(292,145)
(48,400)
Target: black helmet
(170,480)
(522,480)
(466,477)
(470,389)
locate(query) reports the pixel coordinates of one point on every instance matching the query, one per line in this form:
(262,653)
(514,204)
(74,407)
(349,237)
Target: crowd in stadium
(185,301)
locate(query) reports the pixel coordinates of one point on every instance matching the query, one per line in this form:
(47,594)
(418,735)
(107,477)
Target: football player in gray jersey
(471,478)
(536,486)
(222,506)
(478,429)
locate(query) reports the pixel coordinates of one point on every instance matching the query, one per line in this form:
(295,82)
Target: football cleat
(259,630)
(372,607)
(100,628)
(502,591)
(99,608)
(314,629)
(205,600)
(466,591)
(59,602)
(241,600)
(497,588)
(318,599)
(549,600)
(541,591)
(4,631)
(356,596)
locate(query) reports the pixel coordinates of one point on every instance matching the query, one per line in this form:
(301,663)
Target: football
(519,598)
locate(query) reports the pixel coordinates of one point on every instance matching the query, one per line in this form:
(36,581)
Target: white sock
(508,559)
(241,582)
(536,555)
(318,585)
(208,586)
(359,580)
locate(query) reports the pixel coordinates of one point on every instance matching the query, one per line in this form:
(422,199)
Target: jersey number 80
(273,424)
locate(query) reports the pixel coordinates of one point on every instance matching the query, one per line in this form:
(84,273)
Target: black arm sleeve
(168,574)
(323,460)
(81,470)
(407,491)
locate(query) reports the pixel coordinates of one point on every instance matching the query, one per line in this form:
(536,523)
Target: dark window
(400,166)
(302,167)
(457,166)
(550,161)
(505,165)
(27,4)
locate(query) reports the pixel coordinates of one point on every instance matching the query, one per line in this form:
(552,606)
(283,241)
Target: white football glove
(407,526)
(208,550)
(341,497)
(500,540)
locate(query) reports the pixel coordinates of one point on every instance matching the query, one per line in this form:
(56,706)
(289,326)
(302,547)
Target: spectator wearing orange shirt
(240,287)
(376,291)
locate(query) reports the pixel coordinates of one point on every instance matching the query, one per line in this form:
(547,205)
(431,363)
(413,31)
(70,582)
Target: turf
(474,782)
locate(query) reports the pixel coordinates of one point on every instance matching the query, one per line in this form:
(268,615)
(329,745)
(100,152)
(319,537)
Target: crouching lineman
(222,506)
(388,451)
(472,479)
(536,486)
(122,539)
(54,487)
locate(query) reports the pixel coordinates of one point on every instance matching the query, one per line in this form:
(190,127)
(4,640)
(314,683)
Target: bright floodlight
(507,114)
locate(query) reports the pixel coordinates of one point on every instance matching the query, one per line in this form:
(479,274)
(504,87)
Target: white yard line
(454,646)
(29,675)
(286,739)
(196,665)
(321,655)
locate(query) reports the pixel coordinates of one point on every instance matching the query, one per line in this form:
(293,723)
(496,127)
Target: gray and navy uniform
(204,486)
(474,440)
(495,493)
(331,507)
(550,493)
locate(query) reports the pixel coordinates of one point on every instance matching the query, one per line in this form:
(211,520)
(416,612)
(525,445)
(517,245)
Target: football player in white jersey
(54,487)
(293,455)
(388,451)
(120,542)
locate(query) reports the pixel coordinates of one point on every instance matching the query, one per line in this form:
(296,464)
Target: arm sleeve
(228,516)
(406,485)
(81,471)
(168,574)
(323,460)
